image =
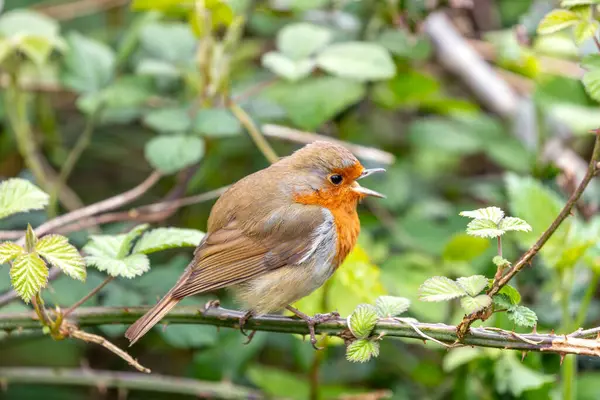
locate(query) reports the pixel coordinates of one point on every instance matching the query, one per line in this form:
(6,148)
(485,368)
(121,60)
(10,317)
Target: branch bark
(578,342)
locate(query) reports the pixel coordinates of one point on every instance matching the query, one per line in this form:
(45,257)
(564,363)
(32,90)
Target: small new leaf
(473,285)
(474,304)
(57,251)
(128,267)
(440,288)
(584,30)
(522,315)
(167,238)
(9,251)
(28,275)
(362,350)
(512,293)
(502,302)
(390,306)
(18,195)
(492,213)
(500,261)
(485,228)
(557,20)
(362,321)
(514,224)
(30,239)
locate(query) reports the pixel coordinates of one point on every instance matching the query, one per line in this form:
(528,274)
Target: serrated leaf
(129,238)
(500,261)
(585,30)
(301,40)
(9,250)
(357,60)
(473,285)
(557,20)
(473,304)
(492,213)
(104,245)
(167,238)
(591,61)
(391,306)
(57,250)
(19,195)
(28,275)
(362,350)
(591,82)
(485,228)
(171,153)
(502,301)
(128,267)
(440,288)
(522,316)
(512,293)
(514,224)
(362,321)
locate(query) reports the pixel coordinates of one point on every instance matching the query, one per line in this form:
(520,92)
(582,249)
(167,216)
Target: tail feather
(151,318)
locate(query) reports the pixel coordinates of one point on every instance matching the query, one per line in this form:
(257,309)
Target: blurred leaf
(401,44)
(557,20)
(89,64)
(455,139)
(279,383)
(58,252)
(463,247)
(585,30)
(362,321)
(456,358)
(391,306)
(221,14)
(28,274)
(357,60)
(37,48)
(290,69)
(522,316)
(167,238)
(410,88)
(473,285)
(500,261)
(492,213)
(8,251)
(27,22)
(362,350)
(168,120)
(515,378)
(474,304)
(300,40)
(514,224)
(309,103)
(573,3)
(440,288)
(158,68)
(591,81)
(484,228)
(170,154)
(578,118)
(171,42)
(128,267)
(19,195)
(216,122)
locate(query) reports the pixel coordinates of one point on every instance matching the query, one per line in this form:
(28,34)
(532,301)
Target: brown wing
(232,254)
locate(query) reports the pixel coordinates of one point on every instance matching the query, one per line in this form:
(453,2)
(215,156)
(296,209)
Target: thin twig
(87,296)
(254,132)
(126,380)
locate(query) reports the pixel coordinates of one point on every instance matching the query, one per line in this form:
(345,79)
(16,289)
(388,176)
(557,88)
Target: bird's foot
(243,319)
(313,321)
(212,304)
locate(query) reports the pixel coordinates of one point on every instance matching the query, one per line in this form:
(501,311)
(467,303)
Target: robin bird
(276,235)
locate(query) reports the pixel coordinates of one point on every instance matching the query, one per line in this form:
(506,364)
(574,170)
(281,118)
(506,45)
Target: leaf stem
(87,296)
(258,138)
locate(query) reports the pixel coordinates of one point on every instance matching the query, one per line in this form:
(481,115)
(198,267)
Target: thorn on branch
(562,357)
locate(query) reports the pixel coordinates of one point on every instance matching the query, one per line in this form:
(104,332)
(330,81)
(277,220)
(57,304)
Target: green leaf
(169,154)
(9,251)
(463,247)
(362,321)
(309,103)
(21,22)
(522,315)
(585,30)
(167,238)
(440,288)
(474,304)
(407,89)
(28,275)
(391,306)
(129,239)
(216,122)
(89,64)
(492,213)
(362,350)
(514,224)
(502,301)
(171,42)
(57,251)
(473,285)
(128,267)
(557,20)
(591,82)
(500,261)
(168,120)
(401,44)
(158,68)
(460,356)
(300,40)
(291,70)
(484,228)
(36,48)
(357,60)
(591,61)
(19,195)
(573,3)
(30,239)
(512,293)
(104,245)
(513,377)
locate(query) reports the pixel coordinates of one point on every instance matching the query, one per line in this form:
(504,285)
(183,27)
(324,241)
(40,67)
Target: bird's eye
(336,179)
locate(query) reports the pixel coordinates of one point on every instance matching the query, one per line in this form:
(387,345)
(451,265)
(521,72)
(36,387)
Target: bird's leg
(313,321)
(243,319)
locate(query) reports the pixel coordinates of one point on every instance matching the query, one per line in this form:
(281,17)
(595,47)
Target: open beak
(363,191)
